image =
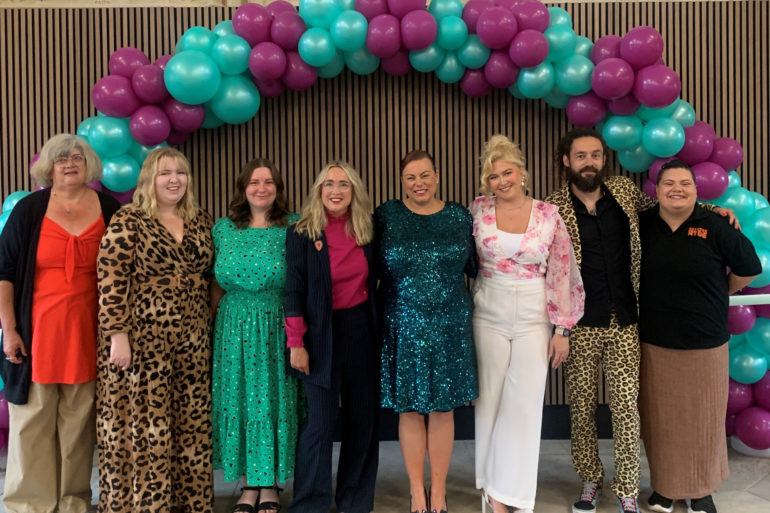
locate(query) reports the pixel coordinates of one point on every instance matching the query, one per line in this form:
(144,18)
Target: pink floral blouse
(546,251)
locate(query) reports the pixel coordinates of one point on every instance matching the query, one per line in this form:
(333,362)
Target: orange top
(64,304)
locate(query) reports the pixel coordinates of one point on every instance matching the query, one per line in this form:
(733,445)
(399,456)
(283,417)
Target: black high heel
(242,507)
(270,505)
(425,491)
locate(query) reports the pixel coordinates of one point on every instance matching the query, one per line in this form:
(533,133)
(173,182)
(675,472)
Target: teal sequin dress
(255,403)
(428,356)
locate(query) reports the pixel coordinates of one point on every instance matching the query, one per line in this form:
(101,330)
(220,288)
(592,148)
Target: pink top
(546,251)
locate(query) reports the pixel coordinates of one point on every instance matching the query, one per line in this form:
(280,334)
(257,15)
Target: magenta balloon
(399,8)
(276,7)
(162,61)
(761,390)
(34,159)
(762,310)
(252,23)
(471,12)
(641,46)
(655,167)
(3,412)
(113,95)
(149,125)
(148,84)
(657,86)
(96,185)
(287,29)
(183,117)
(532,15)
(267,61)
(649,189)
(752,426)
(728,153)
(624,106)
(398,64)
(270,88)
(711,180)
(529,48)
(177,137)
(124,61)
(371,8)
(418,30)
(299,75)
(739,397)
(383,37)
(508,4)
(586,109)
(474,84)
(605,47)
(496,27)
(730,425)
(612,78)
(500,71)
(698,143)
(122,197)
(740,318)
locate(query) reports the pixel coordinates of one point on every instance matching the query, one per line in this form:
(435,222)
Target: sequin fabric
(428,356)
(256,404)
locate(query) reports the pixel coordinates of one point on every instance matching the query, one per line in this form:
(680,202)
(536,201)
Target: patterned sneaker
(702,505)
(589,495)
(628,505)
(658,503)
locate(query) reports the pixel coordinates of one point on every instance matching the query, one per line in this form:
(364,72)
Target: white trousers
(512,332)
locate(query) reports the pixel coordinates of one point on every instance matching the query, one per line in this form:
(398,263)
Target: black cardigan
(18,254)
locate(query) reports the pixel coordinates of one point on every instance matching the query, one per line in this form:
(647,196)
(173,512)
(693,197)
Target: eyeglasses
(75,159)
(340,186)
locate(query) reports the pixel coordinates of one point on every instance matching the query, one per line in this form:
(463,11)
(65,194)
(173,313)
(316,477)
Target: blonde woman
(153,386)
(330,331)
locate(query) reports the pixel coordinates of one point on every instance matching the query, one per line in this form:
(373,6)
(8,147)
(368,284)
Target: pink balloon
(624,106)
(287,29)
(761,391)
(397,65)
(383,38)
(270,88)
(529,48)
(96,185)
(177,137)
(711,180)
(641,46)
(657,86)
(267,61)
(531,14)
(605,47)
(612,78)
(162,61)
(399,8)
(496,27)
(371,8)
(500,71)
(252,23)
(113,95)
(655,167)
(471,12)
(276,7)
(730,425)
(149,125)
(508,4)
(752,426)
(418,30)
(728,153)
(474,84)
(3,438)
(148,84)
(649,188)
(3,412)
(739,397)
(586,109)
(740,318)
(698,143)
(183,117)
(299,75)
(124,61)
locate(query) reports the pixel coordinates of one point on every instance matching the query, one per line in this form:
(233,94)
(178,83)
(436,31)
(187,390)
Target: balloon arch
(620,85)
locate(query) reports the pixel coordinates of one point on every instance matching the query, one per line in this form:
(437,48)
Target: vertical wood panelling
(50,59)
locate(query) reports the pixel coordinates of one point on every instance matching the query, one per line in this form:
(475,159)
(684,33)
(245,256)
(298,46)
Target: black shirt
(606,262)
(683,296)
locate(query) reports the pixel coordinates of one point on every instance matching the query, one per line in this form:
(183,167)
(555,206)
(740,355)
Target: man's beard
(586,183)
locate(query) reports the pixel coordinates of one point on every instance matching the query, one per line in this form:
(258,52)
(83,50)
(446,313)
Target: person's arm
(215,296)
(13,345)
(11,242)
(736,283)
(294,302)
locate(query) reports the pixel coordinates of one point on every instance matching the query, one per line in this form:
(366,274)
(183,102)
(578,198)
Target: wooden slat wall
(50,59)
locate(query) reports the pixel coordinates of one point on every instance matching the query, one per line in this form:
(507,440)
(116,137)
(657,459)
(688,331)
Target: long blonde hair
(499,147)
(144,195)
(359,224)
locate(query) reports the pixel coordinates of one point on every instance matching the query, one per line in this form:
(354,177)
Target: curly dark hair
(240,212)
(565,146)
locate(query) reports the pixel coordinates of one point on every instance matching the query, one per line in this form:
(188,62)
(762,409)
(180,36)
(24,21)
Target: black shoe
(270,505)
(658,503)
(243,507)
(702,505)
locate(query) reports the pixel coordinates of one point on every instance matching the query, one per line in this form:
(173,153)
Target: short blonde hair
(144,195)
(359,225)
(499,147)
(61,145)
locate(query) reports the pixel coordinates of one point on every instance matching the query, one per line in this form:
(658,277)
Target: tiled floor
(747,490)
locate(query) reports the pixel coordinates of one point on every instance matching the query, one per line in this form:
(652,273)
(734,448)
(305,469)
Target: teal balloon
(440,9)
(636,159)
(647,113)
(347,5)
(428,59)
(192,77)
(452,33)
(763,278)
(139,152)
(334,68)
(757,226)
(316,47)
(583,46)
(84,127)
(516,92)
(735,341)
(537,82)
(319,13)
(760,202)
(120,173)
(622,132)
(758,337)
(557,98)
(236,101)
(231,53)
(451,69)
(683,113)
(663,137)
(559,16)
(348,31)
(224,28)
(362,62)
(739,200)
(4,219)
(747,365)
(561,42)
(734,179)
(573,74)
(12,199)
(109,137)
(211,120)
(474,54)
(196,38)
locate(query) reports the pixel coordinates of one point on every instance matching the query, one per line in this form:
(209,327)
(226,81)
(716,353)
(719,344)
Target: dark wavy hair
(416,155)
(240,212)
(565,146)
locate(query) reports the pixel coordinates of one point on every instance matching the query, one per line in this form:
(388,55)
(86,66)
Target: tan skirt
(683,404)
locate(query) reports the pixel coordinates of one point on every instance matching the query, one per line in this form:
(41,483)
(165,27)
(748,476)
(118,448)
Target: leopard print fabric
(153,421)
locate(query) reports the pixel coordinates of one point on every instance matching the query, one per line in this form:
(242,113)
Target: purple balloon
(500,71)
(762,310)
(149,125)
(529,48)
(34,159)
(270,88)
(649,188)
(657,86)
(418,30)
(586,109)
(728,153)
(252,23)
(508,4)
(474,84)
(371,8)
(761,390)
(148,84)
(287,29)
(398,64)
(276,7)
(471,12)
(124,61)
(612,78)
(3,438)
(730,425)
(267,61)
(96,185)
(655,167)
(624,106)
(299,75)
(752,426)
(739,397)
(496,27)
(532,14)
(3,412)
(113,95)
(399,8)
(698,143)
(383,37)
(183,117)
(177,137)
(605,47)
(711,180)
(122,197)
(641,46)
(740,318)
(162,61)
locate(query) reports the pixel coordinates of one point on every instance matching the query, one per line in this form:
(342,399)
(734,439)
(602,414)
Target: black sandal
(243,507)
(271,505)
